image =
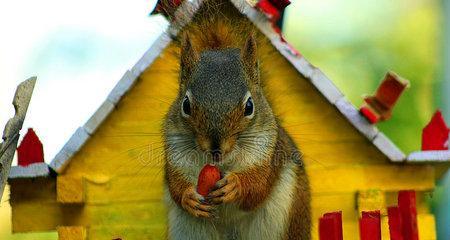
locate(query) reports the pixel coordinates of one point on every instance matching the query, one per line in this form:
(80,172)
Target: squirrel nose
(217,155)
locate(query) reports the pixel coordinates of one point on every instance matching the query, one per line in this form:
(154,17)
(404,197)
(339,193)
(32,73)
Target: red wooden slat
(330,226)
(370,226)
(408,212)
(395,223)
(338,223)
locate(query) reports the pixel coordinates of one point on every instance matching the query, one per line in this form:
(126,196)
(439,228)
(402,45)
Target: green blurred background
(355,43)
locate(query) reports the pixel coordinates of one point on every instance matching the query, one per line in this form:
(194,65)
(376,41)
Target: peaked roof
(30,157)
(435,135)
(185,12)
(30,149)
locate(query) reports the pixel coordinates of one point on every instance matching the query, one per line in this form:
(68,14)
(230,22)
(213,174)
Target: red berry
(207,178)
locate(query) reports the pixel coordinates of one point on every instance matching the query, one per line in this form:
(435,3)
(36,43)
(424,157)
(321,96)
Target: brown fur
(257,182)
(177,183)
(301,213)
(229,29)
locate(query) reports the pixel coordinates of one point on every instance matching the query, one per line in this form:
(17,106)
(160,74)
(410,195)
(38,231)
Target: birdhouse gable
(185,13)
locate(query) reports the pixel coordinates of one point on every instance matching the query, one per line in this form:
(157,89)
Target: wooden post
(12,129)
(395,223)
(370,226)
(408,211)
(330,226)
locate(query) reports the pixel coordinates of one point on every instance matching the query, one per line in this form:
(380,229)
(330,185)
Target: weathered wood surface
(11,133)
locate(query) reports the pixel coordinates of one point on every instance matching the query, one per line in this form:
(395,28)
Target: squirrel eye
(186,106)
(248,107)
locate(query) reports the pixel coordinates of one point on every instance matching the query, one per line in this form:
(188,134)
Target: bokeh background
(80,49)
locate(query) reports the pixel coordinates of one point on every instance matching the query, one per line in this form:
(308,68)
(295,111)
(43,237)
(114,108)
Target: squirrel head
(220,105)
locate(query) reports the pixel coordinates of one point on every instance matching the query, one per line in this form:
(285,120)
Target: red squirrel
(221,116)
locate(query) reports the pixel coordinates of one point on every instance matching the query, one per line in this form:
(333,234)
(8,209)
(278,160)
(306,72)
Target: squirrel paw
(196,205)
(226,190)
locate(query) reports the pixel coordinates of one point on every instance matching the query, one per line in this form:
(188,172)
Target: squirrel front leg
(186,196)
(248,188)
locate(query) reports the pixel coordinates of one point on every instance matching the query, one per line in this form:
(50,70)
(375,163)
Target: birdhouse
(107,181)
(30,149)
(379,107)
(435,136)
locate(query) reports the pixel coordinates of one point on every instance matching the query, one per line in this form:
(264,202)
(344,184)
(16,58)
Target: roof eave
(435,156)
(30,171)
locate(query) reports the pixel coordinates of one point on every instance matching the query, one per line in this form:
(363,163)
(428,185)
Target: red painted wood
(280,4)
(269,10)
(408,212)
(371,116)
(330,226)
(390,90)
(30,149)
(337,229)
(378,107)
(370,226)
(435,134)
(395,223)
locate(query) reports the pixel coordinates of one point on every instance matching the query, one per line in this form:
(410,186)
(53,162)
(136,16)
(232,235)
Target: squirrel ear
(189,58)
(250,57)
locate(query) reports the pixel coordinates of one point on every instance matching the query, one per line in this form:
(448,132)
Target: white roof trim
(32,170)
(429,156)
(388,148)
(184,15)
(358,121)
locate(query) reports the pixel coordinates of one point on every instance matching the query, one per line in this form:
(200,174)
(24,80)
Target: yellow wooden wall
(120,168)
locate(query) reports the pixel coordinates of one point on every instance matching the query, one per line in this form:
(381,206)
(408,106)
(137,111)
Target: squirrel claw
(228,190)
(195,204)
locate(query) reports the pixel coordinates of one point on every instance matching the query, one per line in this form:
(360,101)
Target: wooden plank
(148,187)
(31,216)
(330,226)
(408,211)
(70,189)
(37,216)
(427,227)
(71,233)
(395,224)
(371,200)
(318,152)
(370,225)
(128,232)
(337,180)
(382,177)
(40,189)
(326,181)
